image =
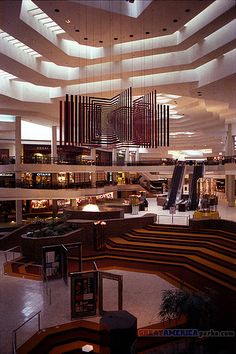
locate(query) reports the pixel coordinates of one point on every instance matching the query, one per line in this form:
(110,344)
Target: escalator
(174,193)
(198,172)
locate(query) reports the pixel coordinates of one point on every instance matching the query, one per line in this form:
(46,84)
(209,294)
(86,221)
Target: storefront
(72,154)
(39,206)
(7,180)
(36,153)
(65,179)
(104,157)
(4,155)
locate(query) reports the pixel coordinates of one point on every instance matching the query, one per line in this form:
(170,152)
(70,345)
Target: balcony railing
(72,161)
(80,185)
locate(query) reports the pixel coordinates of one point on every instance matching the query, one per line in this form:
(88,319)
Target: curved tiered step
(211,256)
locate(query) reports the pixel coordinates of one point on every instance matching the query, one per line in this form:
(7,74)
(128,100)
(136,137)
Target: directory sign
(52,262)
(84,294)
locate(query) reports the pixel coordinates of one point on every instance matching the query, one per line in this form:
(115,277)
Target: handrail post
(50,296)
(14,342)
(39,321)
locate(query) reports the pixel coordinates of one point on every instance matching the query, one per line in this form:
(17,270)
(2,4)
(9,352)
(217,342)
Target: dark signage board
(52,262)
(84,294)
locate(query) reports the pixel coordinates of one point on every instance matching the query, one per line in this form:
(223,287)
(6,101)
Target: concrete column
(93,179)
(126,156)
(73,203)
(230,179)
(114,156)
(93,154)
(54,144)
(54,179)
(18,148)
(18,212)
(54,208)
(230,189)
(229,145)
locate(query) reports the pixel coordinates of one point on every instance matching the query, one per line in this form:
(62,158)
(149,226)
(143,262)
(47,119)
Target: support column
(114,156)
(126,156)
(54,145)
(54,208)
(18,147)
(73,203)
(137,156)
(18,212)
(229,145)
(54,179)
(93,154)
(230,179)
(93,179)
(230,189)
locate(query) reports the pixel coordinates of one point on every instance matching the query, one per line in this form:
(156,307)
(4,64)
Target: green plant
(198,307)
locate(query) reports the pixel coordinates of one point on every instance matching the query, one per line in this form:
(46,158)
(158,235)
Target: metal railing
(75,161)
(49,185)
(47,287)
(172,219)
(12,251)
(14,332)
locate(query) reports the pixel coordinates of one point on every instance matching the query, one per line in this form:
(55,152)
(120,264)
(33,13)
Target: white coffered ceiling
(181,48)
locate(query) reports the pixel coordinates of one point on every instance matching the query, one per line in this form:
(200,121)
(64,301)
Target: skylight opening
(12,41)
(181,133)
(7,118)
(10,38)
(6,75)
(176,116)
(47,20)
(39,16)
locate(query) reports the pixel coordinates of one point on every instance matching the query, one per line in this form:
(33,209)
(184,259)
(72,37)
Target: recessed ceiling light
(56,10)
(164,29)
(176,116)
(67,20)
(173,96)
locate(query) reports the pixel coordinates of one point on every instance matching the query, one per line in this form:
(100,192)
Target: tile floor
(181,218)
(20,298)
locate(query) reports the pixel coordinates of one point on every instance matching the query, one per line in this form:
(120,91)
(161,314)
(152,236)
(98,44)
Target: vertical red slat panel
(72,120)
(76,120)
(168,126)
(60,109)
(164,125)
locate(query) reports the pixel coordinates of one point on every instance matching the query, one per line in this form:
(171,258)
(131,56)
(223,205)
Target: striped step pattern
(209,253)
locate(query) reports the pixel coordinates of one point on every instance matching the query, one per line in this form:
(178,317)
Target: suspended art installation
(118,121)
